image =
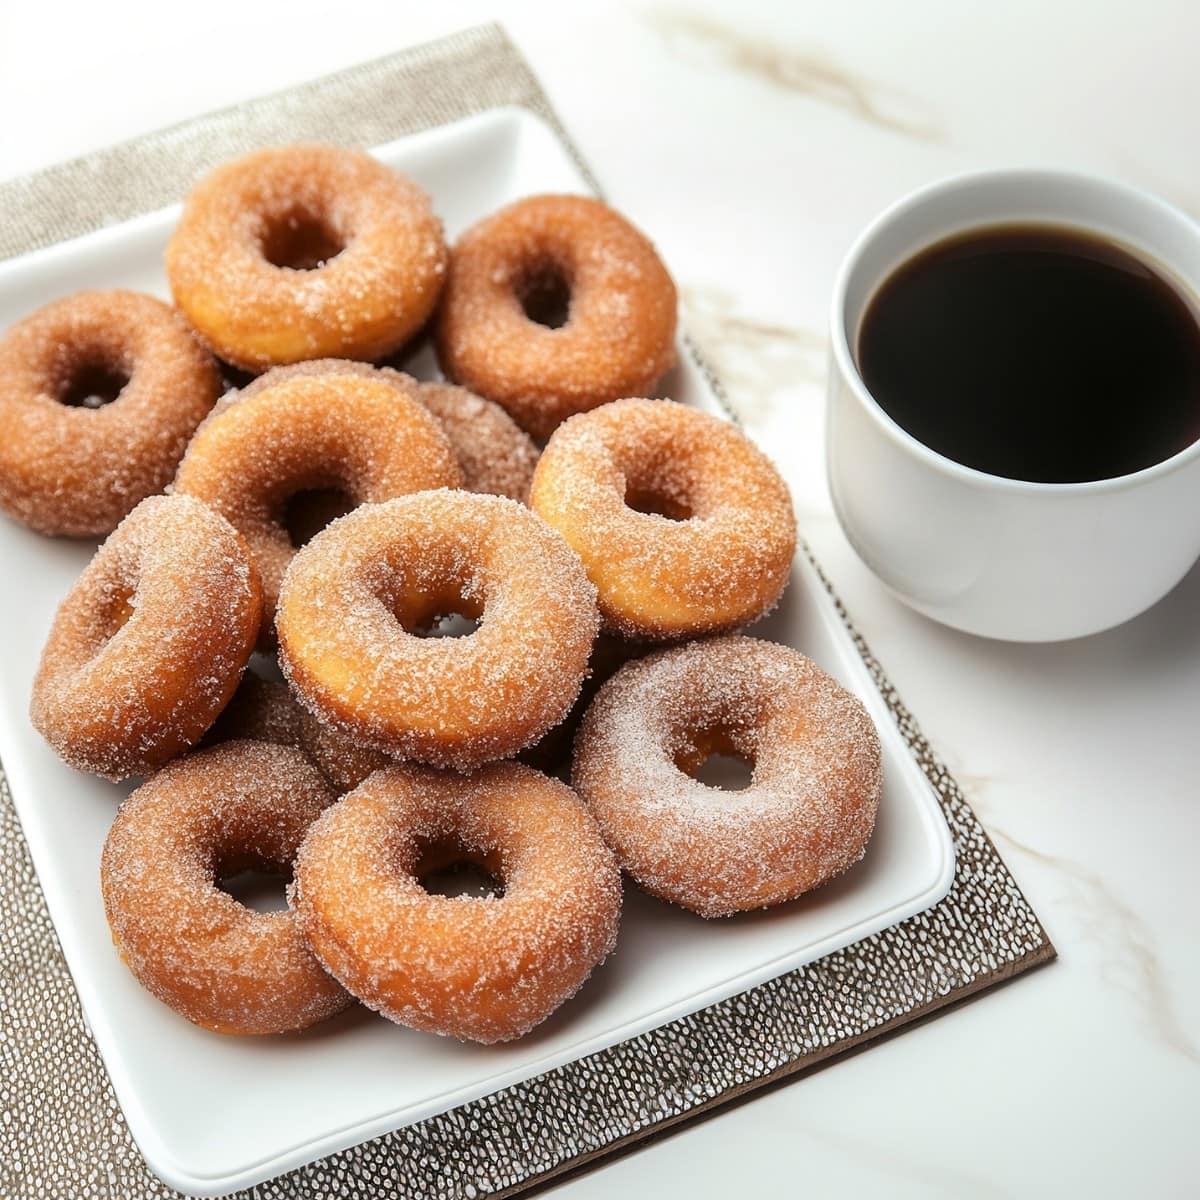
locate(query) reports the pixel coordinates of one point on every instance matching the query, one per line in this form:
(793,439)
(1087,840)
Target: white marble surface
(752,140)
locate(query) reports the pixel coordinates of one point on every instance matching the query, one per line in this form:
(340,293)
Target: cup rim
(846,364)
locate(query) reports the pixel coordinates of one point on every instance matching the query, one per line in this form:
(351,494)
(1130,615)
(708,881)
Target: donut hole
(445,612)
(718,761)
(306,513)
(259,886)
(545,294)
(115,610)
(301,239)
(448,868)
(93,383)
(656,502)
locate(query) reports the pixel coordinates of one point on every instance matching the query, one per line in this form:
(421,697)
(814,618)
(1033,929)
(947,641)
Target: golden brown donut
(684,526)
(306,251)
(99,394)
(810,807)
(484,969)
(210,815)
(495,455)
(261,710)
(554,305)
(357,598)
(357,437)
(149,644)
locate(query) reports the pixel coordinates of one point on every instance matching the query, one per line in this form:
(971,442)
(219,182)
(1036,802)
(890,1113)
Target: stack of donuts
(359,629)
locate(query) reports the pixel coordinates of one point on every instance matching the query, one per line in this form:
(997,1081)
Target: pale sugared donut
(342,760)
(261,710)
(149,645)
(357,437)
(684,526)
(479,968)
(357,597)
(495,455)
(306,251)
(807,813)
(99,394)
(554,305)
(211,815)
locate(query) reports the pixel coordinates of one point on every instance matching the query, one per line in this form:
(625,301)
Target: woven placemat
(62,1134)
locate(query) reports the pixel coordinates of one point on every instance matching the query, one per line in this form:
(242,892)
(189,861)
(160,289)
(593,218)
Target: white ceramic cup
(1026,562)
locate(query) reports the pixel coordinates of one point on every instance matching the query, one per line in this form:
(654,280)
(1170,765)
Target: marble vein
(755,358)
(1105,919)
(803,72)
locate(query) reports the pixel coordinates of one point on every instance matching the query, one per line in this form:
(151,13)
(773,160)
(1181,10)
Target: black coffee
(1037,353)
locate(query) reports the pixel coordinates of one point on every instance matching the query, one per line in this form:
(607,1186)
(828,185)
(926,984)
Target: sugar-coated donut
(306,251)
(261,710)
(213,814)
(495,455)
(484,969)
(343,761)
(684,526)
(805,817)
(357,597)
(552,753)
(554,305)
(149,644)
(360,438)
(99,394)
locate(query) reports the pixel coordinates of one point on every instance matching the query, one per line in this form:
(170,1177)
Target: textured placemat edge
(788,1073)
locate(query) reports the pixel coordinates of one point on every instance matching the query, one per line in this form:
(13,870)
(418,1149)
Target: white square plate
(212,1114)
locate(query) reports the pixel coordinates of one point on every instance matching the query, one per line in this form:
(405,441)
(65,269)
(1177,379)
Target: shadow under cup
(991,555)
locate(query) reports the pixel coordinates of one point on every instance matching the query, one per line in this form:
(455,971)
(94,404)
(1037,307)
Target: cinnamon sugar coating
(150,643)
(618,335)
(713,549)
(216,962)
(99,394)
(483,969)
(358,436)
(343,761)
(552,753)
(496,457)
(261,710)
(810,807)
(306,251)
(357,596)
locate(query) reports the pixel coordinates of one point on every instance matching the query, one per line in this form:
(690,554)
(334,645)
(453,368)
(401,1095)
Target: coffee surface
(1035,352)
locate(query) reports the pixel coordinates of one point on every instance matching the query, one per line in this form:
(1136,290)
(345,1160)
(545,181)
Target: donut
(357,438)
(484,969)
(306,251)
(496,457)
(554,305)
(213,814)
(261,710)
(357,598)
(150,643)
(684,526)
(807,813)
(99,394)
(344,762)
(552,754)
